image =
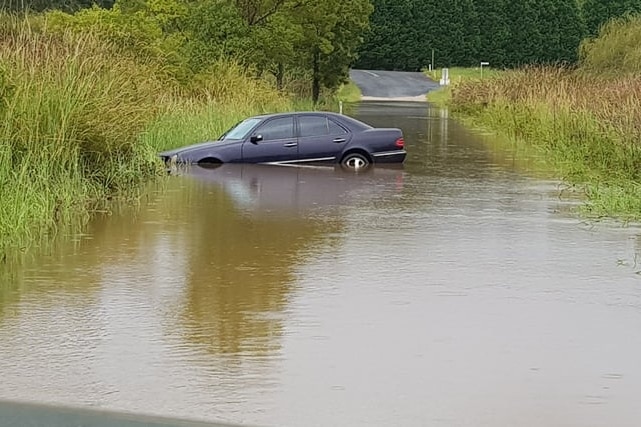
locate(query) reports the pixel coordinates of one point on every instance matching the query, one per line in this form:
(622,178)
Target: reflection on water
(256,225)
(457,290)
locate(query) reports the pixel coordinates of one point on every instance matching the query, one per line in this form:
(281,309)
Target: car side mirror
(255,139)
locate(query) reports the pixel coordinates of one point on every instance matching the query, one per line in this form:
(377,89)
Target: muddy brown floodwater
(460,290)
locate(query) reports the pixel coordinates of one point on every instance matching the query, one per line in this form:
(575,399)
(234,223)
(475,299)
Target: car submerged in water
(297,138)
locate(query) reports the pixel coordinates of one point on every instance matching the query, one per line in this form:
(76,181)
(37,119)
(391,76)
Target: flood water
(460,290)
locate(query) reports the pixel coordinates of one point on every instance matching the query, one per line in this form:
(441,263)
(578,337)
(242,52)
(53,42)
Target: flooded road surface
(392,84)
(458,291)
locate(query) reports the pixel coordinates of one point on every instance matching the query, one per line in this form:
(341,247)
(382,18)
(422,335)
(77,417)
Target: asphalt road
(391,85)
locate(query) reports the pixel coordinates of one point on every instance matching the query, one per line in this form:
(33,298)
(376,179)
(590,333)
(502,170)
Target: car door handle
(339,140)
(290,144)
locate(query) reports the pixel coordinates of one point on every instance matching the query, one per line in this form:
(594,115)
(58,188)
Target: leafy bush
(138,32)
(616,50)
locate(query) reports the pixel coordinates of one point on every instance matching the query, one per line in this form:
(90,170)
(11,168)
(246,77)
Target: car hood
(188,148)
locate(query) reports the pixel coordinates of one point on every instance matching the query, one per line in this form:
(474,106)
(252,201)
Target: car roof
(346,120)
(289,113)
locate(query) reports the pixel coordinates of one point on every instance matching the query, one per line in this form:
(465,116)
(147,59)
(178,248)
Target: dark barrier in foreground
(32,415)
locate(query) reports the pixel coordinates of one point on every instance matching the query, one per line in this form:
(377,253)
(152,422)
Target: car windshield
(241,130)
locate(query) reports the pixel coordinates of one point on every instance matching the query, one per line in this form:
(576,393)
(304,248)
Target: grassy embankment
(349,92)
(442,96)
(81,121)
(587,120)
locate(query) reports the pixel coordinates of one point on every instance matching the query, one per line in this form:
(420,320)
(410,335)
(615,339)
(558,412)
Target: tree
(444,31)
(466,37)
(598,12)
(332,32)
(255,12)
(572,30)
(524,44)
(275,43)
(215,29)
(276,35)
(394,35)
(494,31)
(547,24)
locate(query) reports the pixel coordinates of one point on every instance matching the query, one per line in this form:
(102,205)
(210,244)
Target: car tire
(355,162)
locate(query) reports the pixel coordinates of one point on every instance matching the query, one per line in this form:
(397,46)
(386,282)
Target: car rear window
(352,124)
(335,128)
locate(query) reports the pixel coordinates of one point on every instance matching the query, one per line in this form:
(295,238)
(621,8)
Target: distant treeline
(324,37)
(505,33)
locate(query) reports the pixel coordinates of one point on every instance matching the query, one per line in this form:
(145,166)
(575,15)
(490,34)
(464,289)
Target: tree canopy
(598,12)
(505,33)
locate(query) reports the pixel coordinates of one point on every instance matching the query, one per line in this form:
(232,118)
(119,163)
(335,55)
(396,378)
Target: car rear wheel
(355,161)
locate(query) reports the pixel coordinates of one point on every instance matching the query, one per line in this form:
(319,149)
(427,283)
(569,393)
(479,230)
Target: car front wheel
(355,161)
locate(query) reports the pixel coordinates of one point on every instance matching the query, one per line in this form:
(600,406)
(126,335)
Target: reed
(209,110)
(588,126)
(81,121)
(185,122)
(442,96)
(209,107)
(60,149)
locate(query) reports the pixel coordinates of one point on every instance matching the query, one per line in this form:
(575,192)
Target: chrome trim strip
(390,153)
(286,162)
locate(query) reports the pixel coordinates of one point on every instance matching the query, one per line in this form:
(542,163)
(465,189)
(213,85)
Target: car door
(320,138)
(272,141)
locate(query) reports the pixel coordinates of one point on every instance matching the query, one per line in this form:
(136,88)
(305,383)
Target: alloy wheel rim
(356,163)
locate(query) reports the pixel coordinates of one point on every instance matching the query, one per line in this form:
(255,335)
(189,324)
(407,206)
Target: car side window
(313,126)
(335,128)
(280,128)
(318,126)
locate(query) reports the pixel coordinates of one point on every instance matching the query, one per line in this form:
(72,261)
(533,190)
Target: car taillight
(400,143)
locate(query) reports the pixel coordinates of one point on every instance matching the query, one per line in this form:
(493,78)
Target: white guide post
(445,77)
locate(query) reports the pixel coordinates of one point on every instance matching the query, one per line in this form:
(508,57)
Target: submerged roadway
(392,85)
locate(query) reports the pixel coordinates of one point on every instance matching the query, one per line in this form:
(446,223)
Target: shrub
(616,50)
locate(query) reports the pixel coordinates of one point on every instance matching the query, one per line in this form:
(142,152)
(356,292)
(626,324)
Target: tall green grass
(616,50)
(71,112)
(349,92)
(81,121)
(590,128)
(586,119)
(186,122)
(212,108)
(206,109)
(458,75)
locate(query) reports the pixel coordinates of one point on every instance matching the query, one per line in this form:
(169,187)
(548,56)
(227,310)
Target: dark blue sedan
(291,138)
